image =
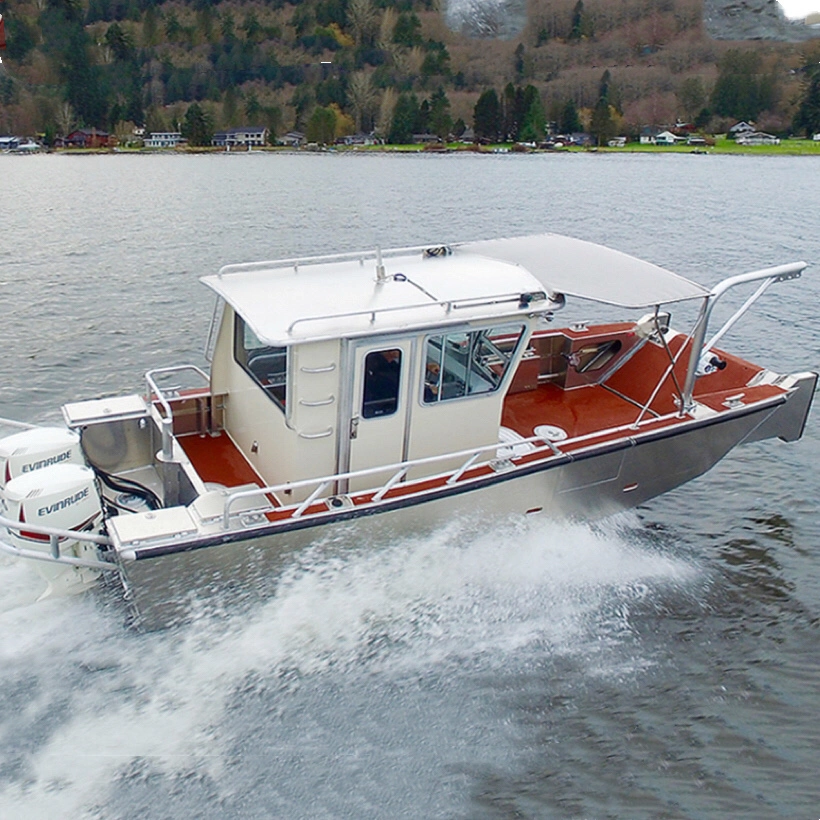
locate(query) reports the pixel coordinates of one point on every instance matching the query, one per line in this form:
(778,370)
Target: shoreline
(795,148)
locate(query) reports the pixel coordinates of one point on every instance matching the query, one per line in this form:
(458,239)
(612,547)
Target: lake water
(664,664)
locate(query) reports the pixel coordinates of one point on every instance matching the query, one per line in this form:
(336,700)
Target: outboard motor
(46,483)
(35,449)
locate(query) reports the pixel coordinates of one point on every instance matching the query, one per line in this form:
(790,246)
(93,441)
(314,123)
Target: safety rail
(54,535)
(400,469)
(767,277)
(524,301)
(352,256)
(168,419)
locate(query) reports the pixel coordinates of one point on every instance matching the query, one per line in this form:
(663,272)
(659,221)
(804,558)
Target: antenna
(380,274)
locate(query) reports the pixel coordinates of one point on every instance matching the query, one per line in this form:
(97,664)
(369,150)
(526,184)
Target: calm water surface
(660,665)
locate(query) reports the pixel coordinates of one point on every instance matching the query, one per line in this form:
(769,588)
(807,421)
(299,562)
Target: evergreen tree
(487,120)
(602,125)
(197,127)
(807,118)
(581,25)
(518,62)
(570,122)
(321,127)
(741,91)
(404,117)
(408,30)
(21,37)
(441,123)
(422,123)
(534,121)
(512,112)
(253,109)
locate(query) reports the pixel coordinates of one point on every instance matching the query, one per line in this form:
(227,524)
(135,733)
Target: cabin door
(378,407)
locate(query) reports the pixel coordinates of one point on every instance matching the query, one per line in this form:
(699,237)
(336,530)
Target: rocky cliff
(752,20)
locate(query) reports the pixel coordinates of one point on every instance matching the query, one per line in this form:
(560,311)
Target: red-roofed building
(87,138)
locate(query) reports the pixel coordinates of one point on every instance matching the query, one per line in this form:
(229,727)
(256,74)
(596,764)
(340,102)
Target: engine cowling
(36,449)
(62,496)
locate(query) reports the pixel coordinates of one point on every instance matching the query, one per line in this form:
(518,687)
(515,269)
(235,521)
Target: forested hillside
(332,67)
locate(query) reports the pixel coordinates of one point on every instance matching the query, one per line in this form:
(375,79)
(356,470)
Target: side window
(266,365)
(382,376)
(468,364)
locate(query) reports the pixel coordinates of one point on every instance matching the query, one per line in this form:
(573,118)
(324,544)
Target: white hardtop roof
(589,271)
(344,295)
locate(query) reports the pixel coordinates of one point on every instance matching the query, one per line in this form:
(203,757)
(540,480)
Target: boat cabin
(357,362)
(344,365)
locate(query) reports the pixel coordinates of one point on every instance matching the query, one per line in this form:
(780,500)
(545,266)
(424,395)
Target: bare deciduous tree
(387,105)
(362,97)
(361,14)
(387,27)
(66,118)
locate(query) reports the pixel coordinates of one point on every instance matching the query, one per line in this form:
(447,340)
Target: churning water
(660,665)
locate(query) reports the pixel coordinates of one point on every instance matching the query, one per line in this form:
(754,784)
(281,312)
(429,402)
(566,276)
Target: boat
(386,391)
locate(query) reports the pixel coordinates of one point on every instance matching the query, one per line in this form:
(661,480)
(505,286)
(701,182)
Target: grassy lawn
(787,147)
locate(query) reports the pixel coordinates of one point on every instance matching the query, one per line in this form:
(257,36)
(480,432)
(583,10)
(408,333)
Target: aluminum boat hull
(166,587)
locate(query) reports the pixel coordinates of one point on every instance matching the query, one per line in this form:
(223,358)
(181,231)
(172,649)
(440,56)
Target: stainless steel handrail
(779,273)
(399,469)
(449,305)
(67,560)
(42,529)
(168,419)
(296,261)
(53,555)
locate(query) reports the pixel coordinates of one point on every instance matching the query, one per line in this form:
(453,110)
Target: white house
(163,139)
(667,138)
(293,139)
(648,134)
(816,137)
(757,138)
(245,137)
(741,127)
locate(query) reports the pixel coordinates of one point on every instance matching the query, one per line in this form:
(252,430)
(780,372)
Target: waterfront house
(87,138)
(757,138)
(649,133)
(163,139)
(667,138)
(245,136)
(293,139)
(740,128)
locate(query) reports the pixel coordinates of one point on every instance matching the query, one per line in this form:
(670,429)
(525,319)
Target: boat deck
(577,412)
(588,413)
(620,401)
(218,460)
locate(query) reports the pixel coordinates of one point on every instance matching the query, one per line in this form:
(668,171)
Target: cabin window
(382,376)
(266,365)
(468,364)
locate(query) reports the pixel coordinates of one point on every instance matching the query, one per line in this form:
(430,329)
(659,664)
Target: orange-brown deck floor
(218,460)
